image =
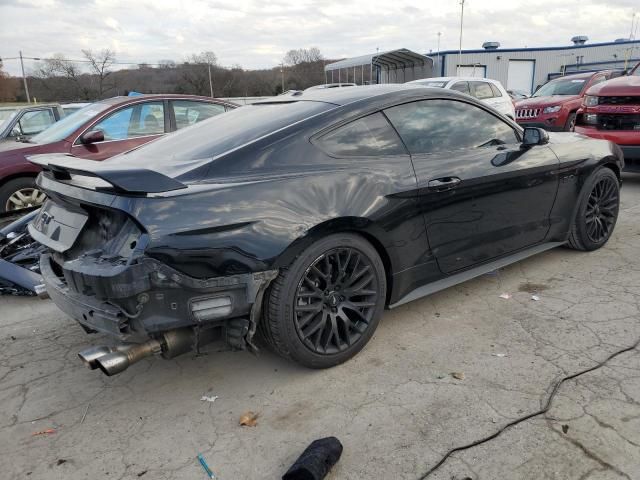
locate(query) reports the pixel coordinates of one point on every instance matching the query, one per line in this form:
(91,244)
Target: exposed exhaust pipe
(112,360)
(124,356)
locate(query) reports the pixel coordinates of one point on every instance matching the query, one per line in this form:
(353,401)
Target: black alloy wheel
(597,211)
(335,300)
(324,307)
(602,209)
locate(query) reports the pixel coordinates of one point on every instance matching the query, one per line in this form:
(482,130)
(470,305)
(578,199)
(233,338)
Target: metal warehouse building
(527,68)
(516,68)
(394,66)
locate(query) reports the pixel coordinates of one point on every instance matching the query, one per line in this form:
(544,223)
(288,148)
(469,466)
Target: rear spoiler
(122,179)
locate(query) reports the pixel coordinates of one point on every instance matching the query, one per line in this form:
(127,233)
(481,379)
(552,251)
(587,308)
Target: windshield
(6,114)
(636,71)
(561,87)
(68,125)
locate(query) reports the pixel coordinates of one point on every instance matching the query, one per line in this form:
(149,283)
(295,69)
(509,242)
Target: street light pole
(24,79)
(282,75)
(460,45)
(439,66)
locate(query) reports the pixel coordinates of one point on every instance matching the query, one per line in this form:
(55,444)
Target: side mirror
(93,136)
(534,136)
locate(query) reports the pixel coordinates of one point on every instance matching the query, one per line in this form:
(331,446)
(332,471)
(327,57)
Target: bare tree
(195,72)
(302,55)
(305,68)
(8,87)
(100,65)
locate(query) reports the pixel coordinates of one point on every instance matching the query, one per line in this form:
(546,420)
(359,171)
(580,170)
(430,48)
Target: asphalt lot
(395,407)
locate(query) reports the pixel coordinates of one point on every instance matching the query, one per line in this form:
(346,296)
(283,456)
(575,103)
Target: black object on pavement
(316,461)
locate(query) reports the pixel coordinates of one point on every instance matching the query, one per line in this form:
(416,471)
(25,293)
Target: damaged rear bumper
(137,301)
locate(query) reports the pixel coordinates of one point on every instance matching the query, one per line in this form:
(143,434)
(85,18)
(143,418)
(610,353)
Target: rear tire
(20,193)
(597,211)
(323,309)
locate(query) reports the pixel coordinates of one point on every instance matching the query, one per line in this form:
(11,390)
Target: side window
(116,125)
(461,87)
(481,90)
(188,112)
(368,136)
(134,121)
(496,91)
(433,126)
(36,121)
(150,121)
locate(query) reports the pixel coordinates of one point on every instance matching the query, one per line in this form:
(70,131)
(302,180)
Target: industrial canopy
(391,66)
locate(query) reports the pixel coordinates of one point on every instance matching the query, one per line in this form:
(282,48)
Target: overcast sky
(256,34)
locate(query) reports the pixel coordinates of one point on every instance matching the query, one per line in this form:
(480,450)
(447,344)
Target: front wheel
(597,211)
(324,308)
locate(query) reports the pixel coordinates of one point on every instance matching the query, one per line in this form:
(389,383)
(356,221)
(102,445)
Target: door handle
(443,184)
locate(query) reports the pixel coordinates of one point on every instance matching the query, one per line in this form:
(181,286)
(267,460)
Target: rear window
(366,137)
(212,137)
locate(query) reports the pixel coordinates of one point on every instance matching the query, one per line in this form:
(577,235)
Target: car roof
(449,79)
(580,75)
(340,96)
(122,100)
(31,105)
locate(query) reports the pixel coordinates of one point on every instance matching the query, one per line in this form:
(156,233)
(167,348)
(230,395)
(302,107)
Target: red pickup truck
(611,111)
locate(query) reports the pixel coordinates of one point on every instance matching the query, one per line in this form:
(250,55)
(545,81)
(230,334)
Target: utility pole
(24,79)
(210,82)
(460,46)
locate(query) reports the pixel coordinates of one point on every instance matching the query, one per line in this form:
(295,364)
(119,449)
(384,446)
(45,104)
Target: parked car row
(611,111)
(97,131)
(603,105)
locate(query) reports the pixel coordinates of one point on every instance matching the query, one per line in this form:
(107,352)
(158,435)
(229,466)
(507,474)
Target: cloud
(256,34)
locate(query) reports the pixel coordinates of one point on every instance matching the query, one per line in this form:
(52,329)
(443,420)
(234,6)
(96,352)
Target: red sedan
(96,132)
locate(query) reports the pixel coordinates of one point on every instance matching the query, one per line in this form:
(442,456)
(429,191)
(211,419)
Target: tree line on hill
(96,76)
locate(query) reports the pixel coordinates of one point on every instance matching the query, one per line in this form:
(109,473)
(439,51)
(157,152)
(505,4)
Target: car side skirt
(461,277)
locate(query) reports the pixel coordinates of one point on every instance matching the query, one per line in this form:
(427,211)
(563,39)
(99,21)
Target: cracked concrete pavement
(395,407)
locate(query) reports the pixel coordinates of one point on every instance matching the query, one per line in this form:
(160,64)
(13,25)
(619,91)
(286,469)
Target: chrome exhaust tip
(113,363)
(91,355)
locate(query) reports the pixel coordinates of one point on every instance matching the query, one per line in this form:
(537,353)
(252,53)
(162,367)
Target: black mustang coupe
(302,217)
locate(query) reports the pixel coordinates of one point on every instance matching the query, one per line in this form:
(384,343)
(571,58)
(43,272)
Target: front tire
(324,308)
(597,211)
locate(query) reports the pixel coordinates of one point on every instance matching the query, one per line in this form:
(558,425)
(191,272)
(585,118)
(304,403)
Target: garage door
(520,75)
(479,71)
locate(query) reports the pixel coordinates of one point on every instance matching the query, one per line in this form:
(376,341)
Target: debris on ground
(205,466)
(458,375)
(211,399)
(535,298)
(440,376)
(500,355)
(48,431)
(61,461)
(505,295)
(142,473)
(565,428)
(316,460)
(249,419)
(85,413)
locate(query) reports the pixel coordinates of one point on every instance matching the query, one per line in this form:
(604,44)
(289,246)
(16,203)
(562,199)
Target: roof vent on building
(490,45)
(580,39)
